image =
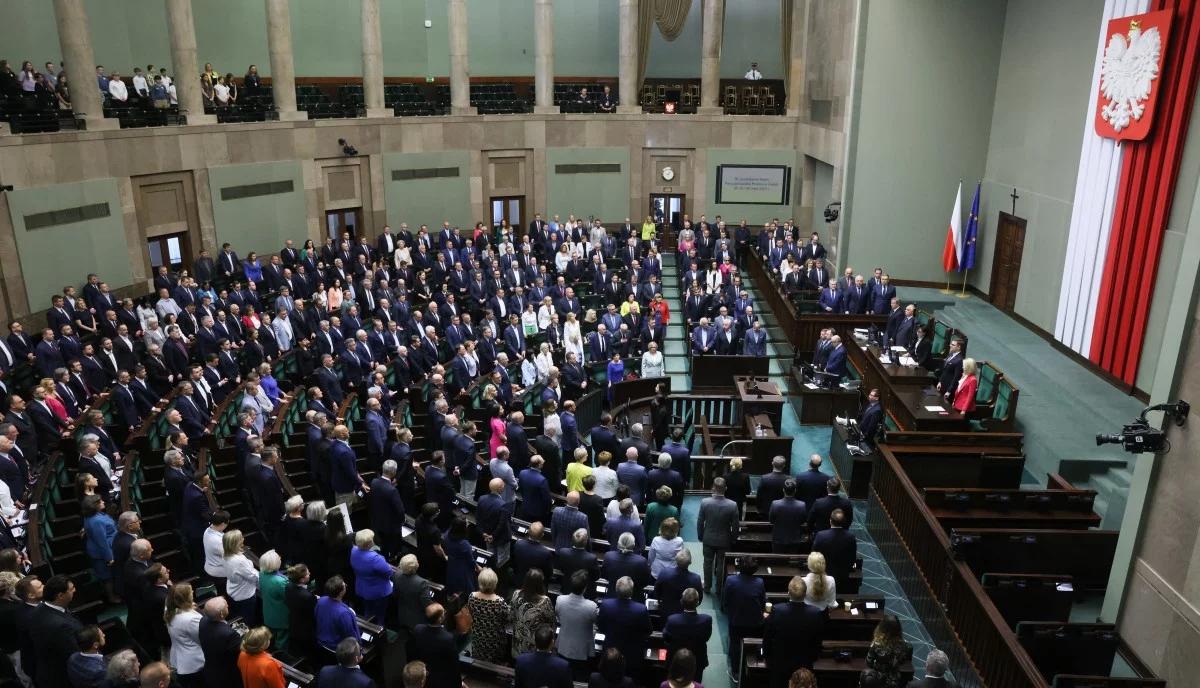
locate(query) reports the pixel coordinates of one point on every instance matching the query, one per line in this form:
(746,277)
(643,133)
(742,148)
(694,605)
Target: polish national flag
(952,252)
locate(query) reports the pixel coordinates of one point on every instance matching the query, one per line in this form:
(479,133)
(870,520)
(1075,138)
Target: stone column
(283,71)
(710,58)
(372,56)
(460,73)
(797,95)
(181,28)
(75,42)
(627,88)
(543,56)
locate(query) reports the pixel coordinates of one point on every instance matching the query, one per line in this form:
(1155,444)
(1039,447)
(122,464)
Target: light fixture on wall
(832,211)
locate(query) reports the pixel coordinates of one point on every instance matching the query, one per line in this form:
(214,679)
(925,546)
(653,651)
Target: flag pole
(963,294)
(947,290)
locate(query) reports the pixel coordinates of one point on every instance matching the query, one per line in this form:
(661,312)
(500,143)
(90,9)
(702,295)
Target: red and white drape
(1123,197)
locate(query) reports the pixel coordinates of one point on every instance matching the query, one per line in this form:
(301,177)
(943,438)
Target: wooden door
(1006,261)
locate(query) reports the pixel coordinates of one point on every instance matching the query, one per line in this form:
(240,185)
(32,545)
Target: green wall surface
(428,201)
(602,194)
(99,244)
(327,37)
(258,223)
(927,83)
(586,38)
(1036,135)
(732,213)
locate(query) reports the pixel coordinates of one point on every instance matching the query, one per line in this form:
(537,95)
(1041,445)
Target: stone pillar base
(292,116)
(5,130)
(97,123)
(710,110)
(545,110)
(793,113)
(629,109)
(192,120)
(380,112)
(463,110)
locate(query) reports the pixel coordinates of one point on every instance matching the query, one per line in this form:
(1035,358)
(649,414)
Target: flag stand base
(947,290)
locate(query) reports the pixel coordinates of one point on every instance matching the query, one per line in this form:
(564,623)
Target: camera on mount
(832,211)
(347,149)
(1139,437)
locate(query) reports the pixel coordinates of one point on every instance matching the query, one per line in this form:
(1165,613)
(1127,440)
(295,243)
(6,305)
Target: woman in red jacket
(968,384)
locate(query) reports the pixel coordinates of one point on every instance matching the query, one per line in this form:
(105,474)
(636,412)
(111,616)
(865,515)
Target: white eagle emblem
(1126,73)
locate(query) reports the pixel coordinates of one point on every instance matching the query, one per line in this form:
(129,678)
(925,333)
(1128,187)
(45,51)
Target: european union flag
(971,235)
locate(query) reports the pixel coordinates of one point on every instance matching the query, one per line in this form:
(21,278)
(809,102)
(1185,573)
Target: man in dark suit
(906,329)
(787,516)
(346,673)
(743,600)
(792,634)
(626,561)
(810,483)
(604,437)
(951,369)
(530,553)
(436,646)
(52,630)
(535,492)
(542,668)
(770,487)
(838,545)
(673,582)
(689,629)
(494,518)
(882,293)
(664,475)
(386,509)
(870,419)
(577,557)
(327,380)
(836,363)
(438,488)
(820,513)
(856,297)
(517,442)
(269,494)
(625,624)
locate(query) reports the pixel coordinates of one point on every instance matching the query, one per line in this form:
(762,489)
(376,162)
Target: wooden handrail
(127,470)
(202,467)
(33,529)
(992,649)
(143,430)
(281,417)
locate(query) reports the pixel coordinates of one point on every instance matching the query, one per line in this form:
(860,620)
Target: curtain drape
(669,16)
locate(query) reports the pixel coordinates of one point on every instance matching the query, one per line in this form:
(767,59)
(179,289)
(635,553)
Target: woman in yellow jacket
(648,229)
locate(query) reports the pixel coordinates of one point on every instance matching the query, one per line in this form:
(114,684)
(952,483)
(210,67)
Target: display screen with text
(754,184)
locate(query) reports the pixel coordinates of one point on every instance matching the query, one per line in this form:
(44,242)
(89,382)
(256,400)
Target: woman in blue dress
(252,268)
(616,372)
(99,531)
(460,559)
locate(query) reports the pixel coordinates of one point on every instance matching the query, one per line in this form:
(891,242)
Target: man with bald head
(220,645)
(493,516)
(566,520)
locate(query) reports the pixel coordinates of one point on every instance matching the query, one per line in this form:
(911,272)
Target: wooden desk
(908,406)
(830,672)
(854,471)
(819,405)
(902,391)
(754,421)
(769,402)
